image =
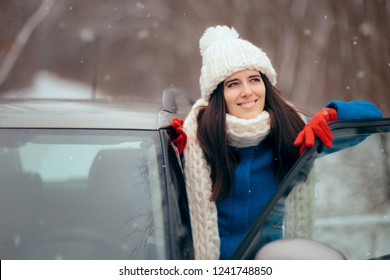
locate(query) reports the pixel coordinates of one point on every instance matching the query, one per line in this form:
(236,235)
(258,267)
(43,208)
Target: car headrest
(116,168)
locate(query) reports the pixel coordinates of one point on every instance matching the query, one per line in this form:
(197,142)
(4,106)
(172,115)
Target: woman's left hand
(317,126)
(178,135)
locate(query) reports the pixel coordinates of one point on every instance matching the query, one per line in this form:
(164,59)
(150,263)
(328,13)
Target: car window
(341,196)
(80,194)
(348,203)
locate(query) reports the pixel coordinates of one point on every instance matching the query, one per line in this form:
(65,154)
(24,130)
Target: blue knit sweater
(255,182)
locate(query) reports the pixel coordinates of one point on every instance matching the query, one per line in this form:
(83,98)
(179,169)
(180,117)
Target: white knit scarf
(203,212)
(247,133)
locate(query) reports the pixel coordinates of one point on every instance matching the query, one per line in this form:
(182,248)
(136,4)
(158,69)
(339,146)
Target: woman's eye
(233,84)
(255,80)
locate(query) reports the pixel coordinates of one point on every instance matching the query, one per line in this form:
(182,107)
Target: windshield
(342,197)
(80,194)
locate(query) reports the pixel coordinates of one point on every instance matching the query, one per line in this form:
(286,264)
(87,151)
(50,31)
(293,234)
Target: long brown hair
(285,126)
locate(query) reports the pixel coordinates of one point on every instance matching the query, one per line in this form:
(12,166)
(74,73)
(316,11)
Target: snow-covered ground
(49,85)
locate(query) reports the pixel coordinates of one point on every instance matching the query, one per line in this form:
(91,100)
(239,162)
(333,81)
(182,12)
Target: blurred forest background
(321,50)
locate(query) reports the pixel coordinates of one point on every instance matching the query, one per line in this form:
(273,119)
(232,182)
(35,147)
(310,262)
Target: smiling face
(244,94)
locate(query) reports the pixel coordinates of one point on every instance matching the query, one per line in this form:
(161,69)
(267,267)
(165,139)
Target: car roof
(102,114)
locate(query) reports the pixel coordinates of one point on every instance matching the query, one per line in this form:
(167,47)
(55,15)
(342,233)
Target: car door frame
(180,244)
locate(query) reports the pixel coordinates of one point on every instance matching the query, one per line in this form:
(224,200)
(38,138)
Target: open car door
(347,202)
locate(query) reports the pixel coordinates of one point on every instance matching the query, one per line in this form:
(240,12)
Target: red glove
(178,136)
(317,126)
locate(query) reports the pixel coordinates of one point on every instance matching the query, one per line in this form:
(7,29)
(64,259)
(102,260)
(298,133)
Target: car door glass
(352,199)
(344,199)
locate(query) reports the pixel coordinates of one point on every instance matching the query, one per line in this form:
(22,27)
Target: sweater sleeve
(355,110)
(352,110)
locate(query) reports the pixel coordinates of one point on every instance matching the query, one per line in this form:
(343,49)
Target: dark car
(91,179)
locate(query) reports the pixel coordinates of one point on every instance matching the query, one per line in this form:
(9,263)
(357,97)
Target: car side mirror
(298,249)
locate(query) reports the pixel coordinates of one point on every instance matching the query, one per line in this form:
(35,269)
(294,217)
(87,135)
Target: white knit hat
(224,53)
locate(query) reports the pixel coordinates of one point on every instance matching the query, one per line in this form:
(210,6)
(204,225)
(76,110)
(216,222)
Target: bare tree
(23,36)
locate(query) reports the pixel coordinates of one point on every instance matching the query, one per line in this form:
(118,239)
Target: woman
(240,141)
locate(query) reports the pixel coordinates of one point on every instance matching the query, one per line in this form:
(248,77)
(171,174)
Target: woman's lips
(247,105)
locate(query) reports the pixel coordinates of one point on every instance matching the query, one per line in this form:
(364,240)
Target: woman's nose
(246,90)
